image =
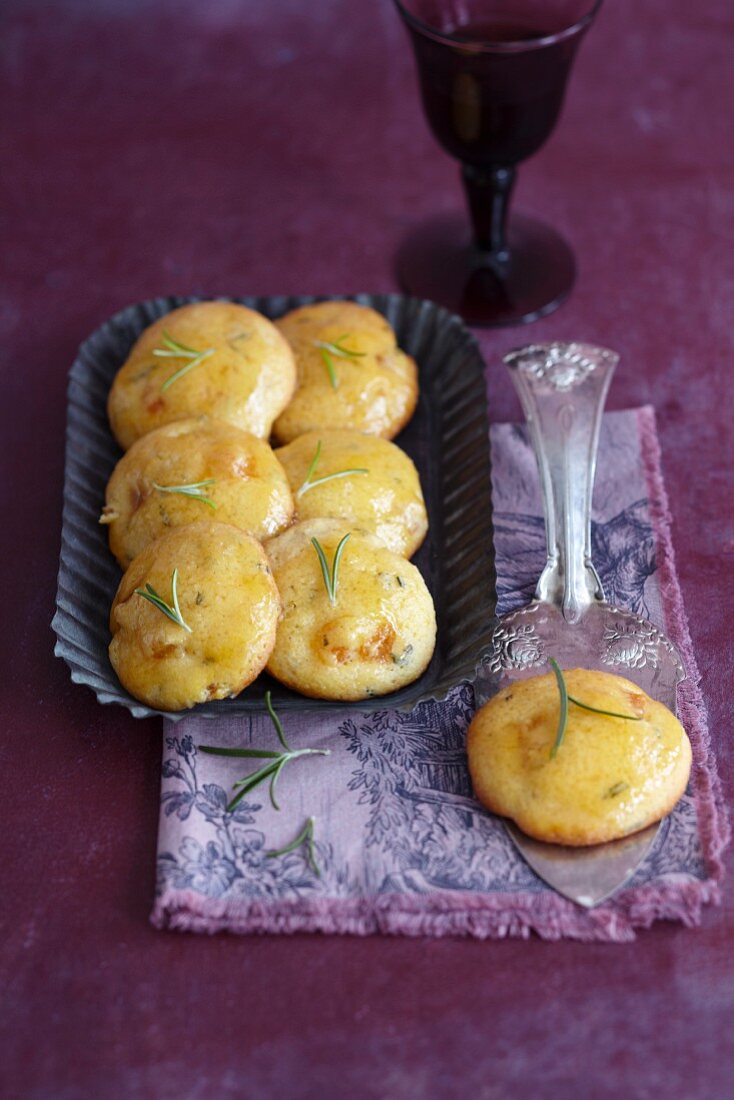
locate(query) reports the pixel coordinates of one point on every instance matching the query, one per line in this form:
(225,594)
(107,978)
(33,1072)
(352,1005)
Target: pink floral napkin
(397,843)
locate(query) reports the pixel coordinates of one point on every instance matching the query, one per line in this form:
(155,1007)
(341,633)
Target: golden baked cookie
(382,494)
(608,778)
(375,636)
(194,470)
(216,359)
(351,373)
(217,579)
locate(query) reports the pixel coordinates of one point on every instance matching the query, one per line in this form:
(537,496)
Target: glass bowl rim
(519,46)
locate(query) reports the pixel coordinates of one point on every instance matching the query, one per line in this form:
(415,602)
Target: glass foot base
(437,261)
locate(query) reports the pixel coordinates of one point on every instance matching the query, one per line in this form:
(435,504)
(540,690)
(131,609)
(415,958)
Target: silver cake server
(563,388)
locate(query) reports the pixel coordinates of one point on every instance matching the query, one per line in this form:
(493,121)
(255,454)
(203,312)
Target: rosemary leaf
(325,572)
(276,721)
(186,368)
(274,780)
(330,368)
(327,349)
(331,477)
(335,563)
(175,350)
(304,837)
(174,595)
(242,793)
(314,463)
(309,484)
(336,347)
(563,716)
(234,803)
(173,611)
(331,576)
(192,489)
(252,781)
(608,713)
(256,754)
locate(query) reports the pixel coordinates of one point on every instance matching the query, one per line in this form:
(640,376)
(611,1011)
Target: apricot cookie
(194,617)
(609,777)
(193,470)
(217,359)
(357,621)
(351,373)
(365,480)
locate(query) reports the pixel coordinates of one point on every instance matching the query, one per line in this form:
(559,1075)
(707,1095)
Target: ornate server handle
(563,388)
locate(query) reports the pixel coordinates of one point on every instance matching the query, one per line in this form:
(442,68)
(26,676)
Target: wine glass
(492,76)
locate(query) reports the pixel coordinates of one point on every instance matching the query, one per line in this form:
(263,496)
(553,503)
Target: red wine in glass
(492,76)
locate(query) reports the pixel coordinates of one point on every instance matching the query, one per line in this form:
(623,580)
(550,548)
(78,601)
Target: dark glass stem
(488,193)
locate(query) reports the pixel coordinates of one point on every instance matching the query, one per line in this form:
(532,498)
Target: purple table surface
(235,147)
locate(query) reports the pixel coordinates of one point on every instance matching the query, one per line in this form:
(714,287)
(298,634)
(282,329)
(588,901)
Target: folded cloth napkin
(398,843)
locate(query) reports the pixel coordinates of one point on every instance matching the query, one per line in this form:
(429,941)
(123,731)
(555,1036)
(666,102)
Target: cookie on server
(360,478)
(358,620)
(608,777)
(217,359)
(194,617)
(351,373)
(192,470)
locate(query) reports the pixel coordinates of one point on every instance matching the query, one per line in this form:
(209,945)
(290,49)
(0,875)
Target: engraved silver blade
(587,876)
(563,388)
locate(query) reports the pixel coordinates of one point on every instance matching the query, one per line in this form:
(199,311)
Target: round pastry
(359,478)
(219,627)
(193,470)
(351,373)
(378,632)
(610,776)
(213,358)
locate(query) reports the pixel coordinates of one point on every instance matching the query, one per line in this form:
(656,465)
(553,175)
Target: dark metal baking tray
(447,439)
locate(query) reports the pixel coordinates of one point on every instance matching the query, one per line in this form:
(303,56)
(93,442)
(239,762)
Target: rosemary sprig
(172,610)
(275,761)
(175,350)
(331,576)
(566,699)
(193,489)
(309,484)
(304,837)
(329,348)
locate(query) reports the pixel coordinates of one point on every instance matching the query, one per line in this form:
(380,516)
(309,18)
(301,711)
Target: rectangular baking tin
(447,439)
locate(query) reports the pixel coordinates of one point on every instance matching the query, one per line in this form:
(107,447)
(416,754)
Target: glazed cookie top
(219,630)
(370,630)
(360,478)
(351,373)
(193,470)
(211,358)
(609,777)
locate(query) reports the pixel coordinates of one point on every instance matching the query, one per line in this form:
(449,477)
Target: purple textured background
(241,147)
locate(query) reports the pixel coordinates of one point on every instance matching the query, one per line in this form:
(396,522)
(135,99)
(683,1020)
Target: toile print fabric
(399,844)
